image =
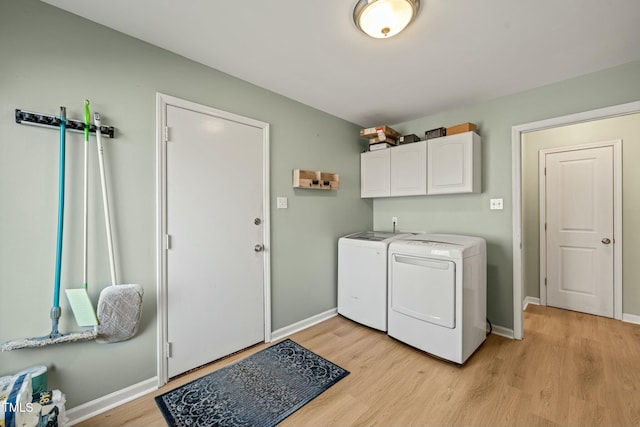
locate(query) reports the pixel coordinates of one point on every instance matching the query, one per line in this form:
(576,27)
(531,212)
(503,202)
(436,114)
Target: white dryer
(362,277)
(438,294)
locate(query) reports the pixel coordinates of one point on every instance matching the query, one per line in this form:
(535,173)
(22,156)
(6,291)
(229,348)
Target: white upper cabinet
(409,169)
(454,164)
(396,171)
(375,173)
(447,165)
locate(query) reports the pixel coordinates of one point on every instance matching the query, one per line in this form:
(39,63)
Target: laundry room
(269,207)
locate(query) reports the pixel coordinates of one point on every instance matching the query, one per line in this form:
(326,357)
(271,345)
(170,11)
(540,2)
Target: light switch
(495,204)
(282,202)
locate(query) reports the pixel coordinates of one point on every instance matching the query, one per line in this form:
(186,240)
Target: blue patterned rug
(261,390)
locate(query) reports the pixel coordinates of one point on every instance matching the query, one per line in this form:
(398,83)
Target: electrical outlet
(495,204)
(394,220)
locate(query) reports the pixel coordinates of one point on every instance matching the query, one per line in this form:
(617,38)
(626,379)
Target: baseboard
(303,324)
(530,300)
(631,318)
(502,331)
(117,398)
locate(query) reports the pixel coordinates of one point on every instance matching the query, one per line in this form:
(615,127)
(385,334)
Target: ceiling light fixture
(384,18)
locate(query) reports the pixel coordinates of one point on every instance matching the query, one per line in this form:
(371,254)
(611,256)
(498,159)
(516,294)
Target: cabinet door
(409,169)
(454,164)
(375,173)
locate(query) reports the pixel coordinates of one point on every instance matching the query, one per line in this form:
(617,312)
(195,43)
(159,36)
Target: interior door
(579,230)
(214,261)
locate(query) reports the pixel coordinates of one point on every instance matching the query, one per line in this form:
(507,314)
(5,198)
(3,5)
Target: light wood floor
(571,369)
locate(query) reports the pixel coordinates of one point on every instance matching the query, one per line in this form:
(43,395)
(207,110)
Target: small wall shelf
(316,180)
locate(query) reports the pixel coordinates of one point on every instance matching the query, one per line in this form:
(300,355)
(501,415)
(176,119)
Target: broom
(79,298)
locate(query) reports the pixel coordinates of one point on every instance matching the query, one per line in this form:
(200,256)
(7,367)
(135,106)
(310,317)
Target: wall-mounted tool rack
(47,120)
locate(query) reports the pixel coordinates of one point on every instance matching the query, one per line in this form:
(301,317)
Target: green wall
(626,128)
(52,58)
(469,213)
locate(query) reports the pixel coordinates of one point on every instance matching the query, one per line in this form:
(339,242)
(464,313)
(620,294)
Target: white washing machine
(438,294)
(362,277)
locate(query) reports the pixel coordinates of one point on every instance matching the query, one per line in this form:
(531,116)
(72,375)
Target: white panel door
(579,237)
(214,199)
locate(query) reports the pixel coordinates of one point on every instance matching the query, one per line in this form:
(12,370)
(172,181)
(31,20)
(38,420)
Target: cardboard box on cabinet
(461,128)
(380,132)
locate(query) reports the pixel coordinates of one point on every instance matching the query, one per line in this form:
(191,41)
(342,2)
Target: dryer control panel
(440,248)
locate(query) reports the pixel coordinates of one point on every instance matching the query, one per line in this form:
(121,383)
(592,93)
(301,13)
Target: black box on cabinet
(408,138)
(435,133)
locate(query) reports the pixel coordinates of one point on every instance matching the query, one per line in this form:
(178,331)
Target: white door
(579,230)
(214,219)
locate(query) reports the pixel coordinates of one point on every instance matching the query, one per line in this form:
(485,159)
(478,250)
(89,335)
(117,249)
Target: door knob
(258,248)
(606,240)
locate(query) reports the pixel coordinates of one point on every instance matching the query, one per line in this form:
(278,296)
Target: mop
(119,306)
(55,336)
(79,298)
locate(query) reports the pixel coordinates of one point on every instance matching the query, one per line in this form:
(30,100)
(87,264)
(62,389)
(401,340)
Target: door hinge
(545,171)
(545,281)
(545,226)
(167,241)
(166,134)
(168,349)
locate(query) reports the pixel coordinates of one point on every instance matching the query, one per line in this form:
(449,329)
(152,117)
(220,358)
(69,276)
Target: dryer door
(424,289)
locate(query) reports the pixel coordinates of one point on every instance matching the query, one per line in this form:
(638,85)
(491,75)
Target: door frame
(617,217)
(162,101)
(516,190)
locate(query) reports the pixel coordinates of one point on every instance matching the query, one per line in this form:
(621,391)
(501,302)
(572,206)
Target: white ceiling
(456,53)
